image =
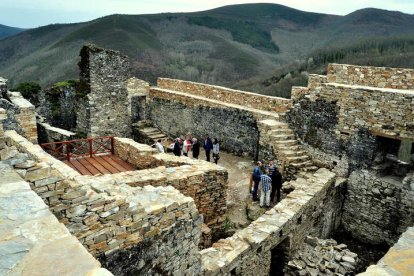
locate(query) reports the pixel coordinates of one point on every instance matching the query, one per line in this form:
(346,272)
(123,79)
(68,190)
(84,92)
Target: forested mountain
(251,46)
(6,31)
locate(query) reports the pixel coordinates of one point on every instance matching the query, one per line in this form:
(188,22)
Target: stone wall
(382,77)
(103,91)
(47,133)
(57,104)
(137,92)
(343,128)
(178,114)
(398,260)
(20,116)
(113,220)
(384,204)
(32,240)
(226,95)
(385,112)
(204,182)
(248,251)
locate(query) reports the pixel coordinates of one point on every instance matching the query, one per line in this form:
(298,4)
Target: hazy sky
(34,13)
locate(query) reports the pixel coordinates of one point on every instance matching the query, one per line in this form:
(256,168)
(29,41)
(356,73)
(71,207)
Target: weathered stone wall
(103,84)
(33,241)
(137,92)
(384,207)
(203,182)
(315,123)
(226,95)
(47,133)
(20,116)
(57,105)
(110,220)
(398,260)
(248,251)
(342,127)
(383,77)
(384,112)
(177,114)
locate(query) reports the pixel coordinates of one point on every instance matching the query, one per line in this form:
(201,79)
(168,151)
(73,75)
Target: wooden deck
(103,164)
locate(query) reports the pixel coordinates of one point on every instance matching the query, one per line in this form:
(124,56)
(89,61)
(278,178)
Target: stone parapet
(399,260)
(114,214)
(21,116)
(48,133)
(248,251)
(315,80)
(205,182)
(226,95)
(297,92)
(32,241)
(385,112)
(205,116)
(381,77)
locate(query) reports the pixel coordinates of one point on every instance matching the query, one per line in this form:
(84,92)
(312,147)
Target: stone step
(301,164)
(292,148)
(283,137)
(292,153)
(149,130)
(281,131)
(301,158)
(158,136)
(310,169)
(284,143)
(273,124)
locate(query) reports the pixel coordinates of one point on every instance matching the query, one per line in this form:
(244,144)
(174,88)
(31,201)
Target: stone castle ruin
(346,141)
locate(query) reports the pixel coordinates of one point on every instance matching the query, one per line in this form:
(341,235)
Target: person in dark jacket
(208,146)
(177,147)
(277,183)
(256,177)
(196,148)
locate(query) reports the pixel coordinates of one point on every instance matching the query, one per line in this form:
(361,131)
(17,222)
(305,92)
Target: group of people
(270,178)
(191,144)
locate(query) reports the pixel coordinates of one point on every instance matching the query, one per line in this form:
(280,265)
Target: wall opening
(279,258)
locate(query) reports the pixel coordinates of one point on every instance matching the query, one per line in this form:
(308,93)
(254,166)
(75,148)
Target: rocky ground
(238,195)
(322,257)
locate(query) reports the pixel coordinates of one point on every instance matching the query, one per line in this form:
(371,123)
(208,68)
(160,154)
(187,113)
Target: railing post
(112,145)
(67,151)
(90,147)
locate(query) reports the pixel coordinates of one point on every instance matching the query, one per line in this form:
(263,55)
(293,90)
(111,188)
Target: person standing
(266,190)
(177,149)
(216,150)
(256,177)
(271,167)
(196,148)
(208,146)
(277,181)
(186,145)
(159,146)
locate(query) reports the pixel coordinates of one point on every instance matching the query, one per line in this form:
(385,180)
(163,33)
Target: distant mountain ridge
(230,45)
(6,31)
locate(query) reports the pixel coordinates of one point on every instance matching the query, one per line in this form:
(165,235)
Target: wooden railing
(89,147)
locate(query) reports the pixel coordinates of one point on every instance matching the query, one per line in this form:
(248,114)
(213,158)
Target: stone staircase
(145,132)
(282,139)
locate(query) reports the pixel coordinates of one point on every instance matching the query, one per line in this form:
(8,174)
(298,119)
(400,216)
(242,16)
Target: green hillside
(385,52)
(240,46)
(6,31)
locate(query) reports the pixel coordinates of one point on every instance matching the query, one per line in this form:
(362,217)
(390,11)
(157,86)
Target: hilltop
(236,46)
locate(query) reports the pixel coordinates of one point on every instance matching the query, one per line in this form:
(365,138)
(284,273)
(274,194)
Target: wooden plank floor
(103,164)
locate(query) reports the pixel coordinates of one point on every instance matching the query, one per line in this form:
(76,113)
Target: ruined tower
(103,96)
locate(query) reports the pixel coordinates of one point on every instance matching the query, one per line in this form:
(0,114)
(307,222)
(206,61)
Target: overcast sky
(34,13)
